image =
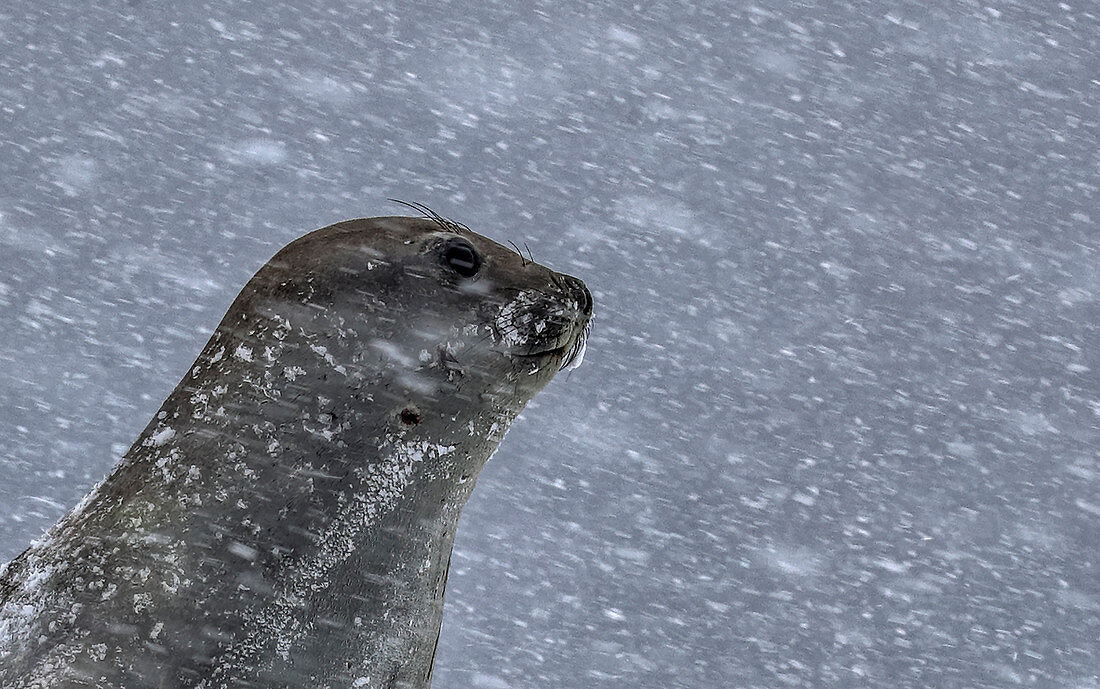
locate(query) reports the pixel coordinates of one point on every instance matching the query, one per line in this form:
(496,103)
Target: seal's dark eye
(462,259)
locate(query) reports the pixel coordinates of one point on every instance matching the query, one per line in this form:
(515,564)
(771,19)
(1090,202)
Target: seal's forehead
(394,228)
(394,239)
(382,229)
(413,230)
(386,236)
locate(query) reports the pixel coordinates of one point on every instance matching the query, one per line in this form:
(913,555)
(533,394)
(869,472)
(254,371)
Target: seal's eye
(462,259)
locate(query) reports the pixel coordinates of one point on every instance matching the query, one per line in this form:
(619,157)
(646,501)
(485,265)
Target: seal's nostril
(578,291)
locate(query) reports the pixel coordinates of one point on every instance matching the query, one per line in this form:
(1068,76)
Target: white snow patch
(891,565)
(161,437)
(314,87)
(657,214)
(1090,507)
(794,560)
(255,152)
(804,499)
(243,551)
(75,174)
(717,607)
(423,385)
(1032,423)
(622,36)
(632,554)
(962,450)
(485,681)
(394,353)
(1071,296)
(778,62)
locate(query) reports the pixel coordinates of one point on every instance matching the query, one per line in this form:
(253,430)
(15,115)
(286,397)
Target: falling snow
(838,421)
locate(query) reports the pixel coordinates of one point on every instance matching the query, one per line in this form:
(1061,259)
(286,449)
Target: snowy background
(839,421)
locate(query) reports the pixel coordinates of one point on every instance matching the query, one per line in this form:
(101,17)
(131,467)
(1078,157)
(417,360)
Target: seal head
(287,517)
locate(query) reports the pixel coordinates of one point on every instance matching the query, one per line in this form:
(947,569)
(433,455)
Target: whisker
(443,222)
(522,258)
(575,355)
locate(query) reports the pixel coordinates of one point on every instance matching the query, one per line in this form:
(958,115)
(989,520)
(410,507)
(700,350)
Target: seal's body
(286,519)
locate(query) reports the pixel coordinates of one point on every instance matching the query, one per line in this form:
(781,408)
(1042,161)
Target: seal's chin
(540,352)
(542,346)
(569,350)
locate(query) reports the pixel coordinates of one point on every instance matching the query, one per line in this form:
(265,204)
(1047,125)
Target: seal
(286,519)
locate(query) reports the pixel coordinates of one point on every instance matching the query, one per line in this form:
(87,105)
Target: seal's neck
(313,530)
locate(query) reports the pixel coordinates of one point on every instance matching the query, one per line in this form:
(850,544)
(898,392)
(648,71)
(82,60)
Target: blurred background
(838,423)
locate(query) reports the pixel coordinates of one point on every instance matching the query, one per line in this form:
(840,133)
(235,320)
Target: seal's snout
(581,300)
(548,321)
(576,292)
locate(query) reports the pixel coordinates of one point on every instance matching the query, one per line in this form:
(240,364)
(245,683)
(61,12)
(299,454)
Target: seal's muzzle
(550,322)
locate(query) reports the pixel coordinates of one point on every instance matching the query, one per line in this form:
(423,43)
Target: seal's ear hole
(462,258)
(410,417)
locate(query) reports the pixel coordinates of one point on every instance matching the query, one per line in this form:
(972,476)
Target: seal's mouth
(571,352)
